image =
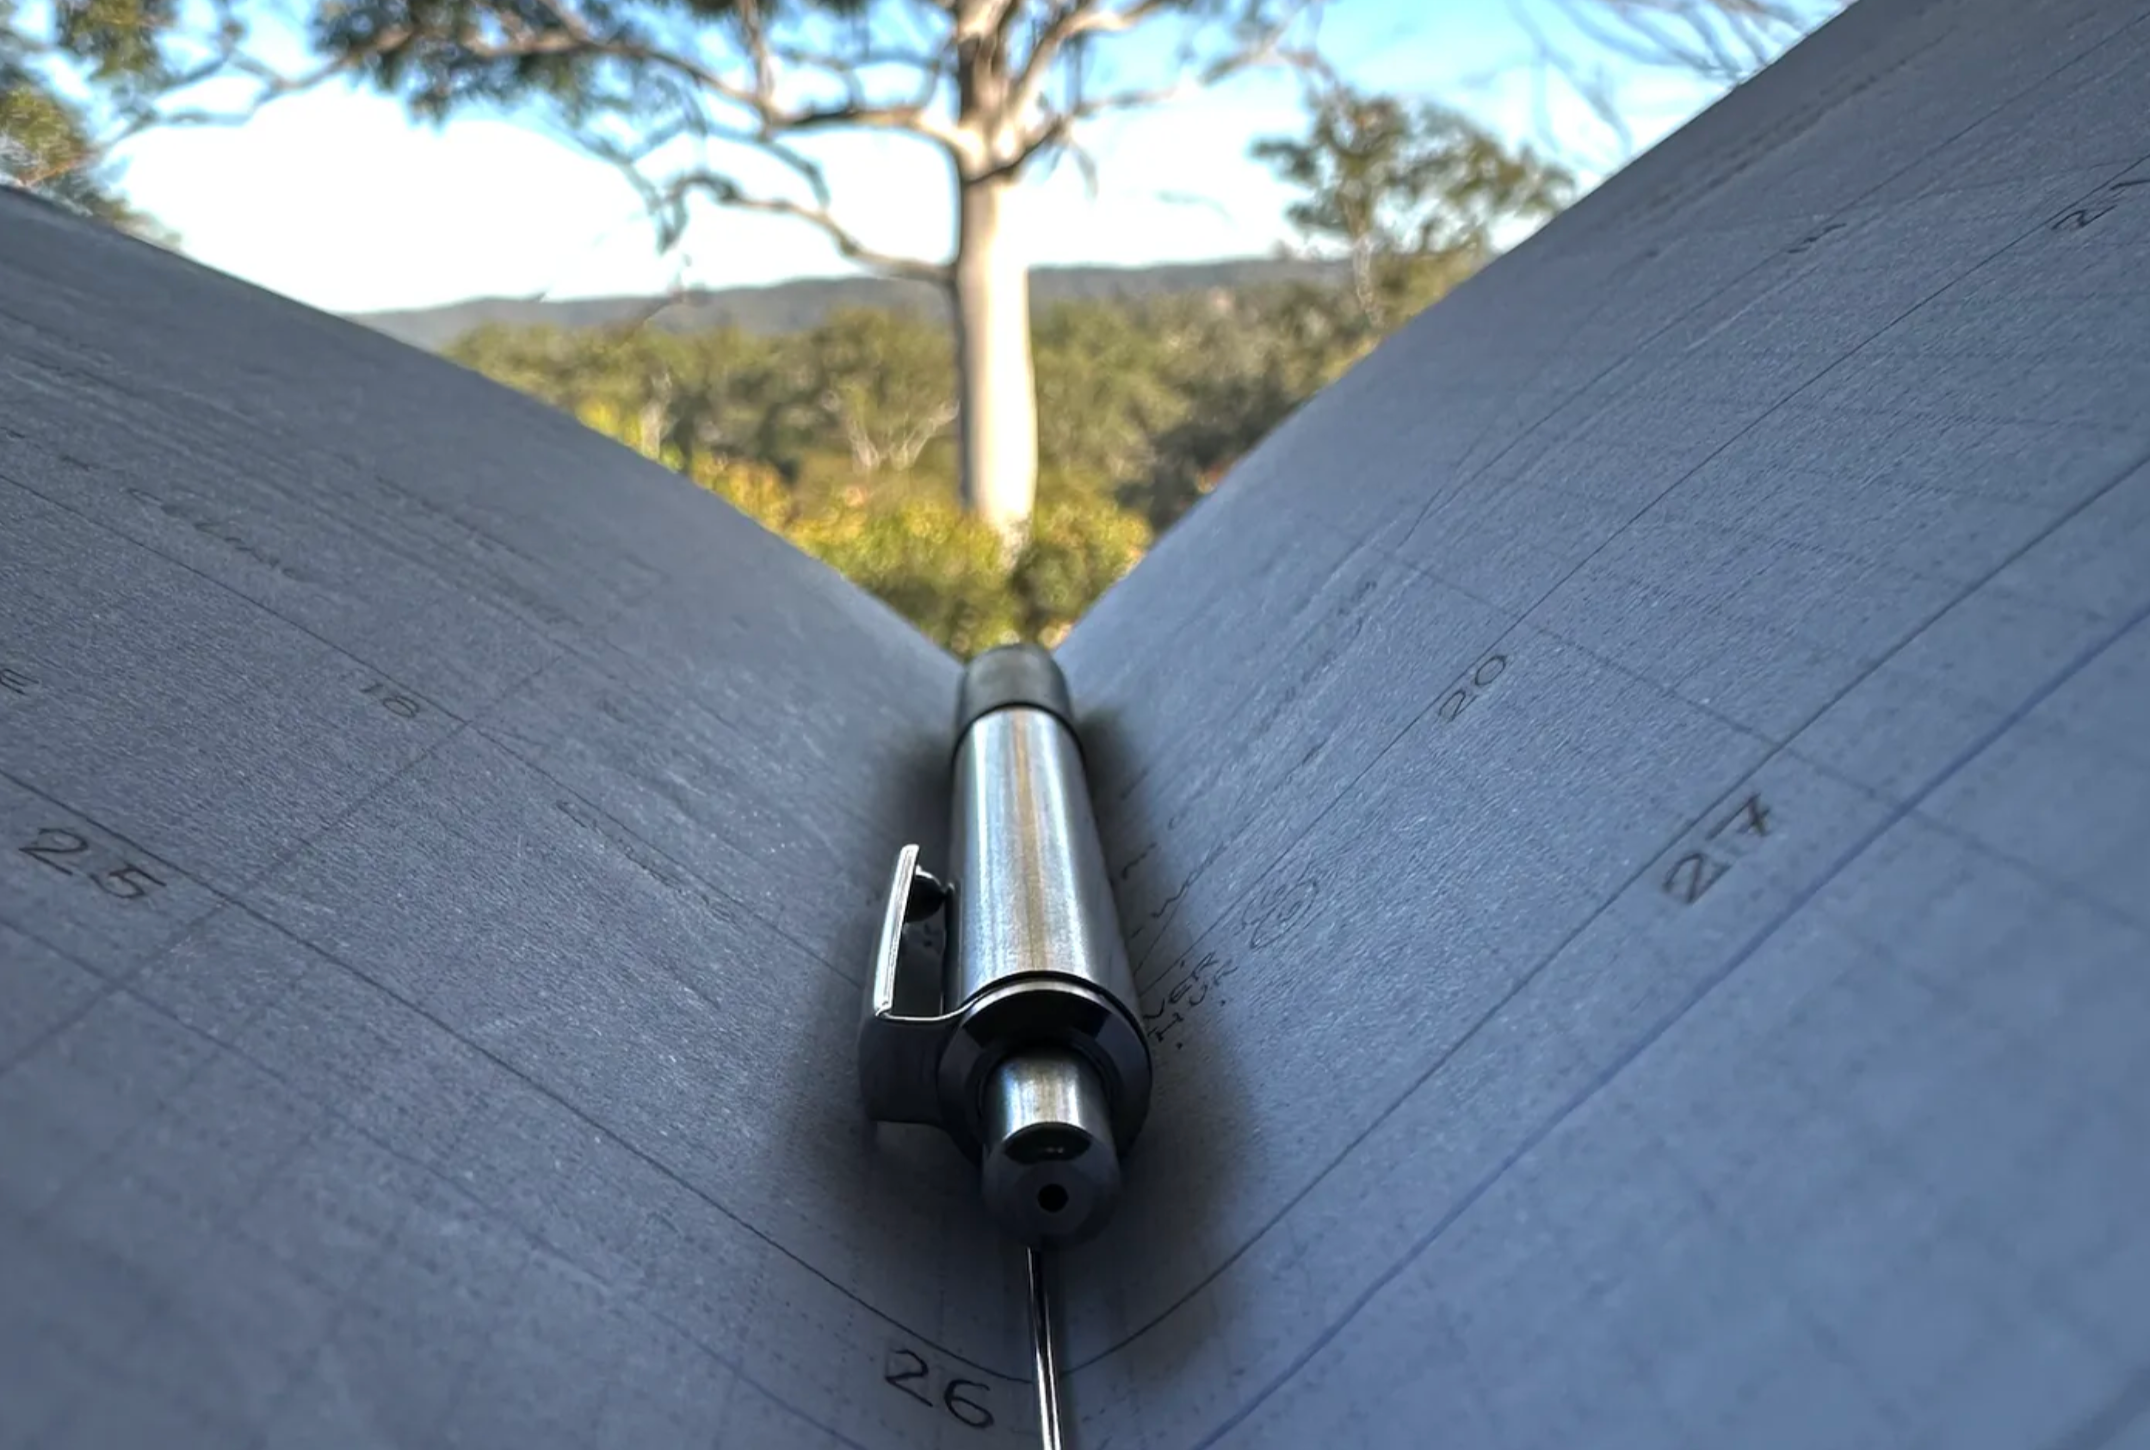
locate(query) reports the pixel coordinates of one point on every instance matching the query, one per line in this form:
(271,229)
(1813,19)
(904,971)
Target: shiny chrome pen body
(1035,1062)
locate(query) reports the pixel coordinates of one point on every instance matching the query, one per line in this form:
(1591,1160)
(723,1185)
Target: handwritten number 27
(1691,875)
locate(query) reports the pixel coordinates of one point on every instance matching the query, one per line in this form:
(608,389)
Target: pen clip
(913,895)
(900,1053)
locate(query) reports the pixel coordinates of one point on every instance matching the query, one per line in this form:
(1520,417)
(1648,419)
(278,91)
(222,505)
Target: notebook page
(1633,810)
(441,857)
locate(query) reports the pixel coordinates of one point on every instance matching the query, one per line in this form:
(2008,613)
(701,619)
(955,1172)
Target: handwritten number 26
(906,1366)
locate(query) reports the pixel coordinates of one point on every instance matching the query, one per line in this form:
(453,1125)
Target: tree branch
(271,85)
(1592,88)
(1057,128)
(1072,20)
(726,192)
(1720,42)
(1690,35)
(760,100)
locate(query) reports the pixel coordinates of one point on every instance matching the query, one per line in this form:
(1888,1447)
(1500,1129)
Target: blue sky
(335,198)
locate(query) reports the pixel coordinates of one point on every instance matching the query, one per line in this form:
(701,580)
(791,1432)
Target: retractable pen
(1001,1006)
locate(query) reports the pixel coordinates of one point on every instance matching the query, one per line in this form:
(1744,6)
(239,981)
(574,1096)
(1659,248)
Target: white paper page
(1633,811)
(441,854)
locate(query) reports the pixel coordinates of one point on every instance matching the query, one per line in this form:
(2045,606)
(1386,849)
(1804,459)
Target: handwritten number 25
(53,846)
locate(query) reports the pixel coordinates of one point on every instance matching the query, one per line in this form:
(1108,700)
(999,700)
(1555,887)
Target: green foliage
(1416,195)
(755,489)
(837,437)
(943,571)
(1237,367)
(121,40)
(1079,546)
(884,382)
(46,146)
(1106,389)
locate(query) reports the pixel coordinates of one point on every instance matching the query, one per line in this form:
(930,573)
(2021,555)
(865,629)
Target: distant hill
(795,306)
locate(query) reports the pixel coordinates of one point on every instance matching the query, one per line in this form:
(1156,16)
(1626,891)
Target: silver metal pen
(1001,1007)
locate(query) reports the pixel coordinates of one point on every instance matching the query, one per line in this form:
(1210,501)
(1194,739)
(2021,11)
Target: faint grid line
(530,1240)
(1776,749)
(1354,547)
(1538,1135)
(1210,772)
(233,898)
(1825,1334)
(304,1365)
(642,1155)
(1473,1379)
(323,512)
(1517,618)
(2005,420)
(111,1361)
(2058,523)
(341,1311)
(126,538)
(689,872)
(231,1233)
(1883,1152)
(1952,996)
(1167,761)
(644,684)
(1788,746)
(1831,1343)
(1813,548)
(2111,1420)
(125,985)
(2008,420)
(1635,346)
(1638,1364)
(165,1107)
(497,1313)
(223,899)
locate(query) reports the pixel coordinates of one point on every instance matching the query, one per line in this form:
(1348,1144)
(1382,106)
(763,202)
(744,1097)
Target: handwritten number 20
(1459,700)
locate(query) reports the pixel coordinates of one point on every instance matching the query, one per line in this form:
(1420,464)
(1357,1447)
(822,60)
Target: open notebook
(1632,816)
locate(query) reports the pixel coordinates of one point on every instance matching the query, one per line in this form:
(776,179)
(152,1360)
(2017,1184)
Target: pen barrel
(1030,1054)
(1035,896)
(1051,1074)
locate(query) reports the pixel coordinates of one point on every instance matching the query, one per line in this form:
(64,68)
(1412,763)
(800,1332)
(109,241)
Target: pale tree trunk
(998,423)
(1362,281)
